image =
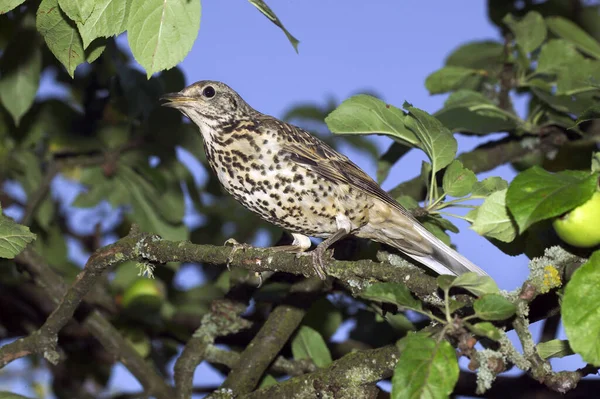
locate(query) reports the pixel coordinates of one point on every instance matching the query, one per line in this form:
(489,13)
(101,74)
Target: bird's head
(209,104)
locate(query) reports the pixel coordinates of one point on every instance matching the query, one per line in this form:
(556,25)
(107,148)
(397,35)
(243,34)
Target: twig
(55,287)
(270,339)
(40,194)
(344,378)
(223,319)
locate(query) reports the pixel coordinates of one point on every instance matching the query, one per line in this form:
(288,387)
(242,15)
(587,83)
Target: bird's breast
(282,192)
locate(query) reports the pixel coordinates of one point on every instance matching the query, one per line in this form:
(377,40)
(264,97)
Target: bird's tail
(443,259)
(403,232)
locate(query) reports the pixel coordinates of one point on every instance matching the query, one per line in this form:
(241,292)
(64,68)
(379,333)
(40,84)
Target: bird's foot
(317,260)
(236,246)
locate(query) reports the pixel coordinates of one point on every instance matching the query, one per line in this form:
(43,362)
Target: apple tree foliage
(80,169)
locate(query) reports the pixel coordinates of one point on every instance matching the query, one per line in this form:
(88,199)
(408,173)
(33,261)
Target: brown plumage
(296,181)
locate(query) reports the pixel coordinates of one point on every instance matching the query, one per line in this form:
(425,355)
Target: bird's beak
(175,100)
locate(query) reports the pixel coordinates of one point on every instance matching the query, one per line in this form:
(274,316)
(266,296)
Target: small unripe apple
(581,226)
(144,294)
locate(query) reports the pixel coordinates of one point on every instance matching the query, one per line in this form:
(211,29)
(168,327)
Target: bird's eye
(209,92)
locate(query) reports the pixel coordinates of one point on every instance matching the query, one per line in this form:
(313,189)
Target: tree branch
(345,378)
(270,339)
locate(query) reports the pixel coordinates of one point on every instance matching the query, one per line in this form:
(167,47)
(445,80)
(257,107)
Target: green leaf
(389,158)
(308,344)
(530,31)
(393,293)
(536,194)
(458,181)
(476,284)
(488,186)
(582,77)
(62,37)
(267,12)
(108,18)
(324,317)
(267,381)
(596,162)
(7,5)
(161,33)
(13,237)
(470,111)
(555,348)
(486,329)
(488,55)
(78,10)
(10,395)
(445,281)
(494,307)
(493,220)
(589,114)
(555,55)
(448,78)
(147,208)
(569,31)
(427,368)
(20,69)
(580,310)
(436,140)
(363,114)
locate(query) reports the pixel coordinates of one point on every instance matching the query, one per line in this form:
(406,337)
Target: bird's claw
(317,261)
(236,246)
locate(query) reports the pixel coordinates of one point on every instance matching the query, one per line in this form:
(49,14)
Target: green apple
(581,226)
(144,294)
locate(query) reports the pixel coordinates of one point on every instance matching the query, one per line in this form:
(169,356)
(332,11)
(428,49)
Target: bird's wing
(317,156)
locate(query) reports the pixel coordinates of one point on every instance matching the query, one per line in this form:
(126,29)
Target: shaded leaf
(536,194)
(488,55)
(10,395)
(363,114)
(161,33)
(556,348)
(448,78)
(555,55)
(308,344)
(62,37)
(579,310)
(530,31)
(389,158)
(458,180)
(493,220)
(494,307)
(436,140)
(13,237)
(475,283)
(393,293)
(589,114)
(470,111)
(487,329)
(488,186)
(426,369)
(569,31)
(20,68)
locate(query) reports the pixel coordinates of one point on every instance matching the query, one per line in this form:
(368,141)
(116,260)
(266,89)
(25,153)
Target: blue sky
(387,46)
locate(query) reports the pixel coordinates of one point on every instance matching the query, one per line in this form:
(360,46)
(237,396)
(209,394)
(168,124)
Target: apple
(581,226)
(144,294)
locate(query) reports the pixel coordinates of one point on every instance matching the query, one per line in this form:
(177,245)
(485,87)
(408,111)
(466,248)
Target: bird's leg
(319,251)
(236,246)
(300,244)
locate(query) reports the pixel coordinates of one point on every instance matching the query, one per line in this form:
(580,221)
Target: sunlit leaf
(162,32)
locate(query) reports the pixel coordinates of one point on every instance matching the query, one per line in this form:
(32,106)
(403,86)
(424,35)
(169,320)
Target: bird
(296,181)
